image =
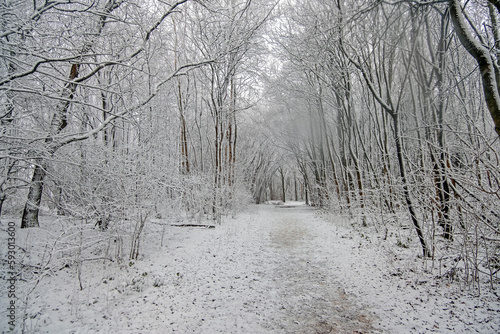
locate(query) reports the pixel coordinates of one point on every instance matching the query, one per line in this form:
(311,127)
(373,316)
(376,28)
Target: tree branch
(60,141)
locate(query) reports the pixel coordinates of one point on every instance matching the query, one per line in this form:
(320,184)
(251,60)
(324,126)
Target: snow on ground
(273,269)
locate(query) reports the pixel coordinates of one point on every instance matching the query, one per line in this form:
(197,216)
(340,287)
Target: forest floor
(273,269)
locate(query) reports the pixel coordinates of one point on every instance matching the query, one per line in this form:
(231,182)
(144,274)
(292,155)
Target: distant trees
(228,32)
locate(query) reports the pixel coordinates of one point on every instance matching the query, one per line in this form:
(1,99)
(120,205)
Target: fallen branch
(193,225)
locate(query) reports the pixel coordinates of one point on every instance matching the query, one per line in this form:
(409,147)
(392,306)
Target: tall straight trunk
(2,199)
(439,160)
(184,145)
(219,119)
(303,171)
(6,164)
(406,191)
(231,134)
(294,186)
(271,189)
(343,133)
(283,190)
(443,184)
(181,106)
(350,126)
(387,164)
(30,212)
(433,109)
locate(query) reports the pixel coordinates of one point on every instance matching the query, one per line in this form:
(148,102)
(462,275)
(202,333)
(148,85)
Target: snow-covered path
(271,270)
(307,285)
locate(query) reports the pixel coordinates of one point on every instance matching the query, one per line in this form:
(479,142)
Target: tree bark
(57,124)
(30,212)
(484,58)
(283,190)
(406,192)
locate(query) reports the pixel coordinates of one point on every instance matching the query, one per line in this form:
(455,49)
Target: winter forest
(129,125)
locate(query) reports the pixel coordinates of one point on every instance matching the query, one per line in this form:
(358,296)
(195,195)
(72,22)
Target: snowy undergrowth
(413,293)
(270,270)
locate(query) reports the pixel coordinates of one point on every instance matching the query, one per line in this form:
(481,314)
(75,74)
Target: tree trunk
(484,59)
(2,199)
(57,124)
(30,213)
(294,186)
(283,192)
(406,192)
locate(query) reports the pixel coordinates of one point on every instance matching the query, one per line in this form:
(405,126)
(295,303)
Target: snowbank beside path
(270,270)
(403,289)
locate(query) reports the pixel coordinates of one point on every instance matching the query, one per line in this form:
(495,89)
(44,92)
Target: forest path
(271,270)
(306,278)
